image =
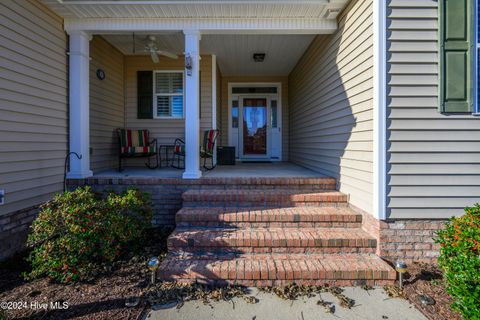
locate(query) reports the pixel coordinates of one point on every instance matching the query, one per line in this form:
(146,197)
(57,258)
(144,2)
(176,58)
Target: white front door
(255,126)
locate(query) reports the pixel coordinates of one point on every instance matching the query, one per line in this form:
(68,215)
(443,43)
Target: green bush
(79,231)
(460,261)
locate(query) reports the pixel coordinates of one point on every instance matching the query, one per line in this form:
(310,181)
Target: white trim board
(380,106)
(206,26)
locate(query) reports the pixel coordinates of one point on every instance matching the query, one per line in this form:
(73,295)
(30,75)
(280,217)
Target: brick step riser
(221,251)
(242,225)
(280,283)
(261,270)
(259,204)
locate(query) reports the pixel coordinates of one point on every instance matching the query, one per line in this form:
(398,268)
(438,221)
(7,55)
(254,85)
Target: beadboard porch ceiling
(234,52)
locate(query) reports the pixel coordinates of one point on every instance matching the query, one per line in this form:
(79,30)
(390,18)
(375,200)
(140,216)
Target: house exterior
(381,96)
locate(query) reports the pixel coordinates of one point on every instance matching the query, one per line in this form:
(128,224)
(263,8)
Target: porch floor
(240,170)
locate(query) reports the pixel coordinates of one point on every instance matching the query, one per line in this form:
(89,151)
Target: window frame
(155,95)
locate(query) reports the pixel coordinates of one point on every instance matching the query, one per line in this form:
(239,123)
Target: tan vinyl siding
(165,130)
(224,113)
(434,159)
(33,103)
(331,118)
(107,112)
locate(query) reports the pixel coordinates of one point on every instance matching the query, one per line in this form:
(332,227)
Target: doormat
(257,161)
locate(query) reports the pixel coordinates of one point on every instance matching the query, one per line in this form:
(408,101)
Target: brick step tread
(263,196)
(288,214)
(270,237)
(277,267)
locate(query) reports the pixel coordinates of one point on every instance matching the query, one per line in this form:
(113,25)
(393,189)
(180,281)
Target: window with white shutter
(168,94)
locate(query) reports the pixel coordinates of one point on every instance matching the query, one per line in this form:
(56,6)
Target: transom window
(168,94)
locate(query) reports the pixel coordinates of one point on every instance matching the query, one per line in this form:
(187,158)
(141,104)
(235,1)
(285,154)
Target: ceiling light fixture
(258,57)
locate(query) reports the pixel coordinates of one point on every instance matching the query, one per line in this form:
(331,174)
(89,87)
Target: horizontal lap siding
(331,117)
(434,159)
(164,130)
(107,112)
(33,103)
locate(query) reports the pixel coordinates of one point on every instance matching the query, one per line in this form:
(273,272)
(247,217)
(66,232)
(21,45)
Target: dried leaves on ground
(293,291)
(165,293)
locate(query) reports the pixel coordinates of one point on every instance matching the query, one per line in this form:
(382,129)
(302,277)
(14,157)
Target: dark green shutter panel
(456,64)
(144,94)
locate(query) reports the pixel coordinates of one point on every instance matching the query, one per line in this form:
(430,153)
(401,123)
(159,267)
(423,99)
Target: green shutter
(144,94)
(456,63)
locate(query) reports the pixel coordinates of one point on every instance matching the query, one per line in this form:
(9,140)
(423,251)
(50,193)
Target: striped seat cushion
(209,138)
(133,138)
(139,150)
(179,149)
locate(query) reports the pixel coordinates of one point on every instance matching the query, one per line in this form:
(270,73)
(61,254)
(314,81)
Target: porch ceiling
(234,52)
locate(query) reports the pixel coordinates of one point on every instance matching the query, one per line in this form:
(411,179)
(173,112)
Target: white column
(79,105)
(379,110)
(192,110)
(214,103)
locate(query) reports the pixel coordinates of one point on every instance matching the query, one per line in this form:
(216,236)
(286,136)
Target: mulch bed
(427,279)
(102,299)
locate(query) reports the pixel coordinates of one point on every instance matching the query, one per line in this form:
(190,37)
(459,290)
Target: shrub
(79,231)
(460,261)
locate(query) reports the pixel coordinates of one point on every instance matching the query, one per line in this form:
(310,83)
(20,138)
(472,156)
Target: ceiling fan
(151,48)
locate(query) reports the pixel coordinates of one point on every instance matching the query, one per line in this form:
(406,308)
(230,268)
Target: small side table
(166,148)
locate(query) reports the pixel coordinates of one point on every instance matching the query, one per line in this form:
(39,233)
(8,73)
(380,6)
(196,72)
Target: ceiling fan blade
(168,54)
(154,56)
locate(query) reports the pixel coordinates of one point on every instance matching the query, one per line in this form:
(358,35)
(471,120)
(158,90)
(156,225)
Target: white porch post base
(79,105)
(192,110)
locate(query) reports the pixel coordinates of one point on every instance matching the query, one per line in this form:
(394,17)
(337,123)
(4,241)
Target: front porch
(239,170)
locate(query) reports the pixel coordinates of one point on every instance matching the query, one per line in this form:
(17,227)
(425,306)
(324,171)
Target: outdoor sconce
(401,268)
(188,64)
(153,266)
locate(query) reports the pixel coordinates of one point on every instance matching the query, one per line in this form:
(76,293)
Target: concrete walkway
(374,304)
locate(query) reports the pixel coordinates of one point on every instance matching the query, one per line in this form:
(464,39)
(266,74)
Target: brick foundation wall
(410,240)
(14,228)
(166,199)
(166,193)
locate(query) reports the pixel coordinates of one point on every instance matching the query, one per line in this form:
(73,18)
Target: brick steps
(262,198)
(269,217)
(272,240)
(272,232)
(277,269)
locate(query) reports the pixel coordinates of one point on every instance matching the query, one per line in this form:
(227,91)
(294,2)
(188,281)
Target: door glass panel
(235,114)
(255,127)
(273,115)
